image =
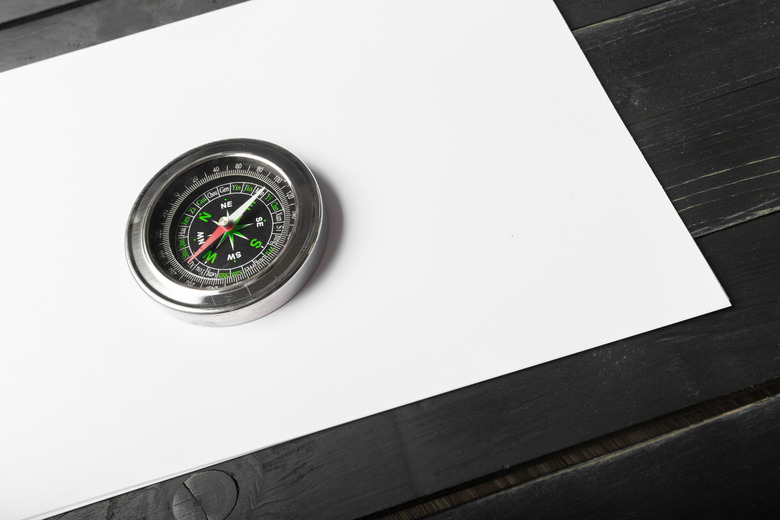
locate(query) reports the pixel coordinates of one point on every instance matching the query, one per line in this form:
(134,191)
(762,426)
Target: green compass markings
(231,233)
(229,226)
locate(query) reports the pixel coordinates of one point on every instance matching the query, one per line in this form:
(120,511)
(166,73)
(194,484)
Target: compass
(227,232)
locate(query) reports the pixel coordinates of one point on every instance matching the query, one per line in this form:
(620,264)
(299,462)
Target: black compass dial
(222,221)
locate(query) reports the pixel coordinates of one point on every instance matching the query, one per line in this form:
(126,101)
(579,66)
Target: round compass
(227,232)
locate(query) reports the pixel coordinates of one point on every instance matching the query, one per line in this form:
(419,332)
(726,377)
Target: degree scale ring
(227,232)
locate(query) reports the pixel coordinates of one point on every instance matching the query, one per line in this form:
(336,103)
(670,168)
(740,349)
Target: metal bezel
(260,294)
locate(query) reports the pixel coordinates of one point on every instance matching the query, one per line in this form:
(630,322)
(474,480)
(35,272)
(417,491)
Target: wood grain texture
(417,450)
(574,459)
(728,467)
(718,160)
(682,52)
(93,23)
(697,86)
(13,10)
(579,14)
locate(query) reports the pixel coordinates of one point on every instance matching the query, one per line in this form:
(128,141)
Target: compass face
(188,214)
(227,232)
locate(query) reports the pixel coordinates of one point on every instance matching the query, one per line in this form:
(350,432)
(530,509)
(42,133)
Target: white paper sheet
(489,212)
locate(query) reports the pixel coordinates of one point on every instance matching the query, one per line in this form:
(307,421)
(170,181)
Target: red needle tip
(214,236)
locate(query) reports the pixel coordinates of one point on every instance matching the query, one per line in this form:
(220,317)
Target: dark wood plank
(277,482)
(718,160)
(91,24)
(725,468)
(682,52)
(580,13)
(573,459)
(420,449)
(12,10)
(697,85)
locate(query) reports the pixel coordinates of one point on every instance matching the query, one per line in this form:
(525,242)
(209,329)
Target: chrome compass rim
(257,295)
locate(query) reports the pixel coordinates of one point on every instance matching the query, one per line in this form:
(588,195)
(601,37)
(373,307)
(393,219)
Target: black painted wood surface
(713,480)
(86,23)
(579,14)
(506,493)
(21,11)
(698,85)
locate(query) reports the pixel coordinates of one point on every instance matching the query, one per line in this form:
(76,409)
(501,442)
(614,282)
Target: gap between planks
(584,454)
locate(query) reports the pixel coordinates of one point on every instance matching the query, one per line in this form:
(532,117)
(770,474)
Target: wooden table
(684,420)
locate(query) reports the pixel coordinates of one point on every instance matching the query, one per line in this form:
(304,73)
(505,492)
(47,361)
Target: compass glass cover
(189,211)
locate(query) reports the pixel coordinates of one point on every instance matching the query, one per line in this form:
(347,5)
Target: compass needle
(266,196)
(221,239)
(212,238)
(240,211)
